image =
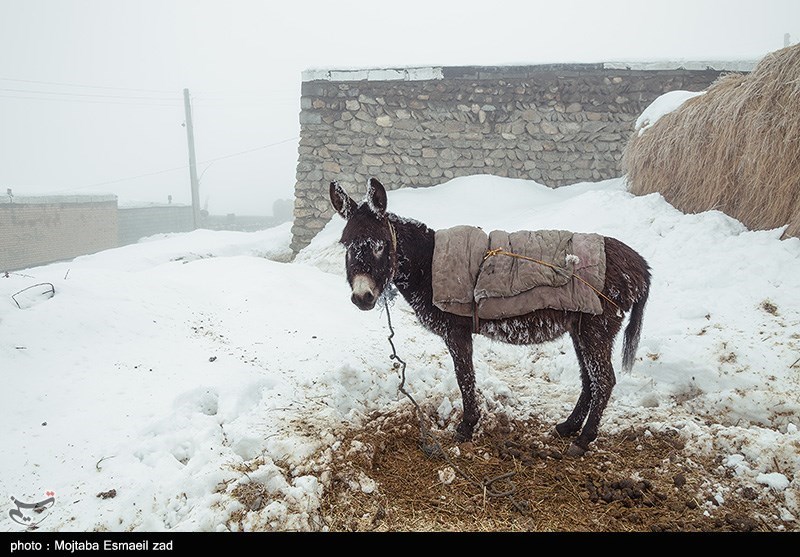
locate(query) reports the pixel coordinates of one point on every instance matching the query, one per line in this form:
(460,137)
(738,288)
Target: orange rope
(501,251)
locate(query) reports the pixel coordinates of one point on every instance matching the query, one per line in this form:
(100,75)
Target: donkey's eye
(377,249)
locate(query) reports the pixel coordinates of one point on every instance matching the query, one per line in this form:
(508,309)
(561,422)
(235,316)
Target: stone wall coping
(695,65)
(45,199)
(374,74)
(440,72)
(151,205)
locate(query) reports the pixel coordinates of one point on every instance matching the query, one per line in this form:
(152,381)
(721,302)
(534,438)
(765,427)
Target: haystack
(735,148)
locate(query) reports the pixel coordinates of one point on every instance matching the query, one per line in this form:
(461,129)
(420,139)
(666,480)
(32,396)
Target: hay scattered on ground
(735,149)
(633,481)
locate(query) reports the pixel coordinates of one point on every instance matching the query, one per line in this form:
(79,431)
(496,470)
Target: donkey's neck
(415,243)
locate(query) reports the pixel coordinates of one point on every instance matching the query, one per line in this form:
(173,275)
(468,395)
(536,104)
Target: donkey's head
(370,241)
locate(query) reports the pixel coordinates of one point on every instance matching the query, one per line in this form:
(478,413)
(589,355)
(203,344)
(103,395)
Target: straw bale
(735,149)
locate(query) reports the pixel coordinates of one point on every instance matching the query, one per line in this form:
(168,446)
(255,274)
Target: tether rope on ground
(430,445)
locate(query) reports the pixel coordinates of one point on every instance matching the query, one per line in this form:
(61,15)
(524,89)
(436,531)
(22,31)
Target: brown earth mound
(514,478)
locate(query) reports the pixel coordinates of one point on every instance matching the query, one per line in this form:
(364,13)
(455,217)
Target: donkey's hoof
(463,433)
(575,451)
(565,430)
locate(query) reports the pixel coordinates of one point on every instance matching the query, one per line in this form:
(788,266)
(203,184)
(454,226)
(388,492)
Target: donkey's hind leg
(573,423)
(602,378)
(598,380)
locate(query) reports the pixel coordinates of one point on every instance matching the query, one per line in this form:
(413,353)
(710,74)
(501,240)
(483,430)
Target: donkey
(382,248)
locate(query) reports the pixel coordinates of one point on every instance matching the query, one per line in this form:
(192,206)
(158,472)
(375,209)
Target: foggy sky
(91,90)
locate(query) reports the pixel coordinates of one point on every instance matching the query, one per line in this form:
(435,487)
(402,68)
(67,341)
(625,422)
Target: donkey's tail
(634,329)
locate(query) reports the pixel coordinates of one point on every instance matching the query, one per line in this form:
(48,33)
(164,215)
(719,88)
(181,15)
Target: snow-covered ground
(163,370)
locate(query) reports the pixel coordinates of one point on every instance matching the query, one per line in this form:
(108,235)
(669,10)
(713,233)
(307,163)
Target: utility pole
(192,162)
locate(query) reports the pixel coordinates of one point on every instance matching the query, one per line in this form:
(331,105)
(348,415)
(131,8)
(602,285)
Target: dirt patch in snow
(513,477)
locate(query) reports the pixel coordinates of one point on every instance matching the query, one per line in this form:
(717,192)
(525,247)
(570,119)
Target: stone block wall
(39,230)
(35,231)
(138,222)
(554,124)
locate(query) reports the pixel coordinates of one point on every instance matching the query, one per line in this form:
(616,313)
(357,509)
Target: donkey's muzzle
(365,293)
(365,301)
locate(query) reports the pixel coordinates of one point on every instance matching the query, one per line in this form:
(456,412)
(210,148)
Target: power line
(158,101)
(88,101)
(218,94)
(227,103)
(85,86)
(89,95)
(164,171)
(208,98)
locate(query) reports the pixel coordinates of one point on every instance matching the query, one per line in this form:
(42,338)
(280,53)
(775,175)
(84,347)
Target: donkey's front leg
(459,343)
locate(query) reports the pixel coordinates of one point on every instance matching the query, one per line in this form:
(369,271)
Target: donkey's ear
(342,202)
(376,197)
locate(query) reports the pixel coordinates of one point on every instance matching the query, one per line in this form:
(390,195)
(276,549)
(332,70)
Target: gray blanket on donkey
(468,283)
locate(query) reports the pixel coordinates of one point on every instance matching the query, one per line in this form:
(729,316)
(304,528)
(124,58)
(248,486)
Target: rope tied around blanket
(560,270)
(430,445)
